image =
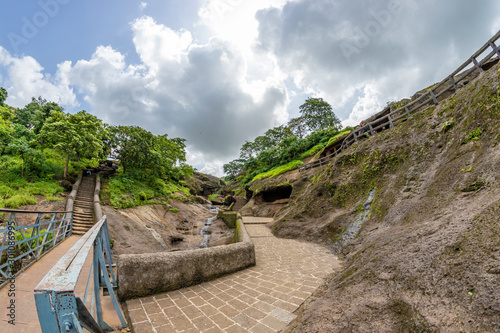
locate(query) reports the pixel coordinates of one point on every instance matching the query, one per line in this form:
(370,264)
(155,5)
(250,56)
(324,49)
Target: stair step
(83,226)
(83,219)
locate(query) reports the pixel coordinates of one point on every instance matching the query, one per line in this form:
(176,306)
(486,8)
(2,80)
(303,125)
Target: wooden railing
(451,82)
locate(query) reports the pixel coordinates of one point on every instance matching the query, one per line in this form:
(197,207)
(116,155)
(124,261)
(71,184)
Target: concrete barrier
(97,202)
(142,275)
(71,198)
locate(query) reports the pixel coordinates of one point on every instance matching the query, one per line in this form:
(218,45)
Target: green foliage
(24,247)
(34,114)
(138,149)
(315,149)
(213,196)
(279,170)
(3,96)
(134,188)
(16,191)
(473,136)
(302,137)
(18,200)
(79,135)
(446,126)
(334,138)
(318,114)
(174,210)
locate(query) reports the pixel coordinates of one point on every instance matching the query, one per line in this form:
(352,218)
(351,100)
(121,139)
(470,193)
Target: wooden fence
(451,83)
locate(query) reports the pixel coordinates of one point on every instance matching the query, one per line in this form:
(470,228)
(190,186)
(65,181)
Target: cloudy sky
(219,72)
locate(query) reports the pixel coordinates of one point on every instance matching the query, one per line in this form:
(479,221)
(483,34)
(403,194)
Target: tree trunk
(22,167)
(66,167)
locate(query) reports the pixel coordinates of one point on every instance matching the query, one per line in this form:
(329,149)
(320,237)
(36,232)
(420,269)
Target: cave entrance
(276,195)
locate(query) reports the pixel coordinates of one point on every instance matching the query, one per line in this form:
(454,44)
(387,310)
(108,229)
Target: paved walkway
(26,314)
(259,299)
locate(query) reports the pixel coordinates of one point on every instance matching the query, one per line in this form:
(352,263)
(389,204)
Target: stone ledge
(142,275)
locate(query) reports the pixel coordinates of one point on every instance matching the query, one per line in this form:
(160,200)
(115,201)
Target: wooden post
(452,80)
(407,112)
(433,96)
(477,65)
(355,136)
(495,48)
(371,129)
(390,121)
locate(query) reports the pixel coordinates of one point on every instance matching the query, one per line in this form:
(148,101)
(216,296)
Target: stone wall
(141,275)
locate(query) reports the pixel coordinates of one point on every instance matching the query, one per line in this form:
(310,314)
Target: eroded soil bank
(428,257)
(156,228)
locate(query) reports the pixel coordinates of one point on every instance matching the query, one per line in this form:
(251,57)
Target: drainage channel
(204,231)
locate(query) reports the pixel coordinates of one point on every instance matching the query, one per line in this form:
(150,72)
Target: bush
(19,200)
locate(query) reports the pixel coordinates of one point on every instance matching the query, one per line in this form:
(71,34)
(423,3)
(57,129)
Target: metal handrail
(59,309)
(37,239)
(450,82)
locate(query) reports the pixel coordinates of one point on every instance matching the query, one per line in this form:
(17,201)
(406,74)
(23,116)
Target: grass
(312,151)
(213,196)
(131,190)
(17,192)
(473,136)
(279,170)
(336,137)
(38,181)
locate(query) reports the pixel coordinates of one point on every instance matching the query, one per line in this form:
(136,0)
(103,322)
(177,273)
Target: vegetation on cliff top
(282,148)
(40,145)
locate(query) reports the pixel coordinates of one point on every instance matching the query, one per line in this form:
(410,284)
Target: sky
(221,72)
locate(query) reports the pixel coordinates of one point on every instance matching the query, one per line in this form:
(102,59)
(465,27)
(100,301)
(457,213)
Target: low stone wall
(142,275)
(71,198)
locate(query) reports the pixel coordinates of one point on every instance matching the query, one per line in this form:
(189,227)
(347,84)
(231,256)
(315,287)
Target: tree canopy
(140,150)
(80,135)
(318,114)
(283,144)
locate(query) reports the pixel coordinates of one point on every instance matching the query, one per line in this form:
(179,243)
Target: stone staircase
(240,202)
(83,218)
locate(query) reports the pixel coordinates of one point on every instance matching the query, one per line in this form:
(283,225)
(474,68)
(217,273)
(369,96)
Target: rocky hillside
(424,254)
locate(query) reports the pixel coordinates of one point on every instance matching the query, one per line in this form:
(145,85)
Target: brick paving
(259,299)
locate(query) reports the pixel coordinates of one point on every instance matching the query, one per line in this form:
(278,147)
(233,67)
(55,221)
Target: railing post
(453,82)
(433,96)
(474,60)
(495,48)
(407,112)
(390,121)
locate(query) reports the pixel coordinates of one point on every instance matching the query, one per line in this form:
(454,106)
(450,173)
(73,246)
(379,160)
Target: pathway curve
(259,299)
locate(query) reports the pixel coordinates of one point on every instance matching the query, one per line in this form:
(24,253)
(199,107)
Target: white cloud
(200,92)
(143,5)
(385,49)
(25,79)
(158,45)
(367,105)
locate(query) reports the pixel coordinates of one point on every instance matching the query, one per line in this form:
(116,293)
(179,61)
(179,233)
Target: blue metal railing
(59,309)
(23,245)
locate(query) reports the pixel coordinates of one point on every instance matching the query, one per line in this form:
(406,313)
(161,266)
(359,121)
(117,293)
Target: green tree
(233,168)
(23,143)
(6,127)
(318,114)
(277,134)
(139,149)
(34,114)
(3,96)
(298,126)
(79,135)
